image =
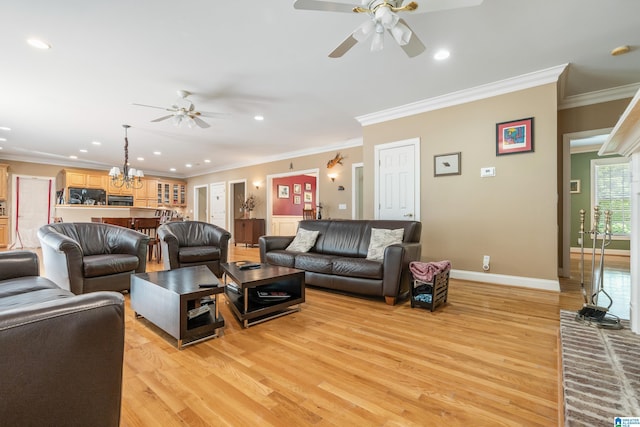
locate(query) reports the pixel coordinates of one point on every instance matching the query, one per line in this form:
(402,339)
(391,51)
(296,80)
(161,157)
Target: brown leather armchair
(192,243)
(60,354)
(88,256)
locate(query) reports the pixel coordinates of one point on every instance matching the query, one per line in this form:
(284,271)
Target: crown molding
(350,143)
(596,97)
(525,81)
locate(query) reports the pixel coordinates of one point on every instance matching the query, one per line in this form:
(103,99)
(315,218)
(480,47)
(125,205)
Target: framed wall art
(297,188)
(514,137)
(447,164)
(283,191)
(574,186)
(296,200)
(308,197)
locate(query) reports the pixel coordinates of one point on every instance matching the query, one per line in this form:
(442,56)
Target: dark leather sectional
(338,258)
(60,354)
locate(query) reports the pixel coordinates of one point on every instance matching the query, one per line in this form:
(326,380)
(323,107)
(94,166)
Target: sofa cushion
(314,262)
(25,284)
(281,258)
(33,297)
(380,239)
(357,267)
(304,240)
(198,254)
(103,265)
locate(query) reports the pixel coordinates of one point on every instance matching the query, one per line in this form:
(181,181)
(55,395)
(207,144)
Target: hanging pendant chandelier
(128,177)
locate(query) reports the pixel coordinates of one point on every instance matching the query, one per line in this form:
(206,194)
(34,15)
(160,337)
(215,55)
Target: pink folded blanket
(424,271)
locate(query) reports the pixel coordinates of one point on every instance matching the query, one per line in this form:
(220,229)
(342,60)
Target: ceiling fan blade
(200,122)
(159,119)
(415,46)
(210,114)
(344,47)
(435,5)
(326,6)
(153,106)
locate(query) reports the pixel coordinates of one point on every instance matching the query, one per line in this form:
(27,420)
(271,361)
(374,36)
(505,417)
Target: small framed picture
(297,188)
(447,164)
(574,186)
(307,186)
(514,137)
(283,191)
(308,197)
(296,200)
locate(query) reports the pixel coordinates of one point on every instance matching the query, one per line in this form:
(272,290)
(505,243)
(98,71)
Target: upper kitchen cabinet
(145,197)
(77,178)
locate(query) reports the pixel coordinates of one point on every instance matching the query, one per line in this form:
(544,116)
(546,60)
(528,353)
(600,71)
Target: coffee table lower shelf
(258,313)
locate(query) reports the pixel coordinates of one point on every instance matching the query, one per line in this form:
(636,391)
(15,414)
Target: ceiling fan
(183,111)
(383,15)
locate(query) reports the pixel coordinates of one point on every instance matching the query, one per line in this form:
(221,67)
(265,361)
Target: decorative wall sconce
(332,176)
(257,184)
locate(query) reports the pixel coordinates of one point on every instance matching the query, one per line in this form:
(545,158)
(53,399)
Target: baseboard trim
(503,279)
(589,251)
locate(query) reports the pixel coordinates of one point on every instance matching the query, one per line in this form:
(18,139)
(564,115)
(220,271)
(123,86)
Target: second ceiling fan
(183,111)
(383,16)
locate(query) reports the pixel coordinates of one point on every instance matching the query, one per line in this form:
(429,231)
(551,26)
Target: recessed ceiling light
(157,153)
(441,54)
(4,128)
(3,139)
(258,118)
(188,165)
(82,150)
(172,169)
(96,142)
(141,159)
(73,157)
(207,161)
(38,44)
(620,50)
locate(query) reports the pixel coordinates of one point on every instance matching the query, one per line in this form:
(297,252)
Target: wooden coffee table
(251,309)
(165,298)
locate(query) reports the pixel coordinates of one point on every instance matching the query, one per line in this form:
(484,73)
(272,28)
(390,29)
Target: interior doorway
(357,177)
(200,205)
(217,203)
(286,224)
(237,196)
(33,202)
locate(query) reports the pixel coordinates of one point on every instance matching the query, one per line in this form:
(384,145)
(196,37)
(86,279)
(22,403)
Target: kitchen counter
(84,213)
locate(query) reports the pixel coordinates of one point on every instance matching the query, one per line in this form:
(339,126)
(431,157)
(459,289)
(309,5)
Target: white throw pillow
(380,239)
(304,240)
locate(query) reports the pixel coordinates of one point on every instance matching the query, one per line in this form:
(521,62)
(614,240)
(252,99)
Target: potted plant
(249,205)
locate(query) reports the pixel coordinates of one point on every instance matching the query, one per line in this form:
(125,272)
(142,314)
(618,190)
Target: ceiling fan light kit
(183,111)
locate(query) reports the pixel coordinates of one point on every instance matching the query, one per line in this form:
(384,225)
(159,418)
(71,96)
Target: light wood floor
(489,357)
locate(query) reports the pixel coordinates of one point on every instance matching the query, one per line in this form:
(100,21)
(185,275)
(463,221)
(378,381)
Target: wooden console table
(247,231)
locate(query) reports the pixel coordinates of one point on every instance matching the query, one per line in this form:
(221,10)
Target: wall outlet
(579,240)
(486,259)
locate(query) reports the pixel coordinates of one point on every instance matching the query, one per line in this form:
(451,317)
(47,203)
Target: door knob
(408,215)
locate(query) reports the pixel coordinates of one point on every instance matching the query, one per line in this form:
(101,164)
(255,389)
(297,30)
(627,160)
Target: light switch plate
(485,172)
(342,206)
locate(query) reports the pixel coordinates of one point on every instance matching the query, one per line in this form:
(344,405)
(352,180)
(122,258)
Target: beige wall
(329,195)
(512,216)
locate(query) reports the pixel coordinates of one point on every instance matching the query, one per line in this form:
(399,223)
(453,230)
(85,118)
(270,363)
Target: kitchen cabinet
(3,181)
(119,191)
(248,231)
(83,179)
(145,197)
(171,193)
(4,232)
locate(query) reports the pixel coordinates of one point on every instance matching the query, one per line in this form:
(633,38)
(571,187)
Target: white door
(398,180)
(33,199)
(218,204)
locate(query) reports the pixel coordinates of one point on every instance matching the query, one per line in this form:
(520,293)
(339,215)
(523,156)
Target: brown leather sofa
(338,260)
(191,243)
(60,354)
(88,256)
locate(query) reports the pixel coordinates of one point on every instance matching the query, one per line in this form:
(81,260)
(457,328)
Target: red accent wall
(288,206)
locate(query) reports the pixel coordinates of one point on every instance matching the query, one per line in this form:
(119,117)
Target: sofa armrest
(61,361)
(397,276)
(273,243)
(169,243)
(62,258)
(133,242)
(18,264)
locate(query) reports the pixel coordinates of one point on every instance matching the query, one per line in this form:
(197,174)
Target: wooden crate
(438,289)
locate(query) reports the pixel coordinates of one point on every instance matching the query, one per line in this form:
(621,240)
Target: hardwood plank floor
(488,357)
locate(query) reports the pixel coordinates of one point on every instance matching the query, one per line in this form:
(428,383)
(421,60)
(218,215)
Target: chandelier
(128,177)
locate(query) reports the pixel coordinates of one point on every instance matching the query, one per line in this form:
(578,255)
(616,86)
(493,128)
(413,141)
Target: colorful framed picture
(447,164)
(297,188)
(296,200)
(283,191)
(307,186)
(514,137)
(308,197)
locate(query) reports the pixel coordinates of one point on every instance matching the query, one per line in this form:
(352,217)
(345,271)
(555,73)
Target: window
(611,190)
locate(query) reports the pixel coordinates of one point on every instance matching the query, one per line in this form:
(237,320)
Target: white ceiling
(263,57)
